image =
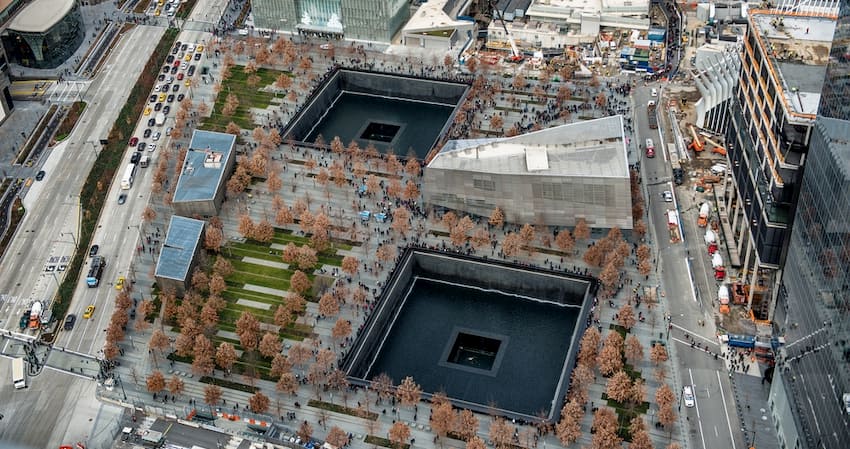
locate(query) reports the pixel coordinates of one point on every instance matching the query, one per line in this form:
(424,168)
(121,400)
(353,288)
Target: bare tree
(225,356)
(408,391)
(305,431)
(270,345)
(259,403)
(658,354)
(155,382)
(501,432)
(633,350)
(619,387)
(626,317)
(466,425)
(497,218)
(383,386)
(212,394)
(581,231)
(299,282)
(248,329)
(399,434)
(337,437)
(175,385)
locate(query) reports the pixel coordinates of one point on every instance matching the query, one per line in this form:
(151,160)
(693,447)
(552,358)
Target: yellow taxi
(147,111)
(119,284)
(188,57)
(161,98)
(188,82)
(200,48)
(157,12)
(89,312)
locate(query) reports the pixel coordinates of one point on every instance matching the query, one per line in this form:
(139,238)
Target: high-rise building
(773,112)
(367,20)
(813,375)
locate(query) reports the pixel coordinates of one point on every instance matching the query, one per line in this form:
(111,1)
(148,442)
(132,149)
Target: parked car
(93,250)
(156,108)
(151,121)
(175,87)
(166,109)
(180,97)
(156,136)
(134,159)
(668,196)
(134,141)
(170,98)
(169,59)
(191,70)
(152,98)
(147,133)
(40,175)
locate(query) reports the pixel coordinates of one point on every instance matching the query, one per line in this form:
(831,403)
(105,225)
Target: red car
(176,63)
(134,141)
(179,76)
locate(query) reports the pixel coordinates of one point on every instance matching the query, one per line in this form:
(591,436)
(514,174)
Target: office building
(365,20)
(178,255)
(807,399)
(773,111)
(552,177)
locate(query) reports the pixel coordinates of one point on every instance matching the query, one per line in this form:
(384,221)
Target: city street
(711,422)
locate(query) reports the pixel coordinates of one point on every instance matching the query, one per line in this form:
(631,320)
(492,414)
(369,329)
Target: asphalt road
(712,422)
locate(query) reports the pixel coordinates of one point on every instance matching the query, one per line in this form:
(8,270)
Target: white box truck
(160,119)
(19,378)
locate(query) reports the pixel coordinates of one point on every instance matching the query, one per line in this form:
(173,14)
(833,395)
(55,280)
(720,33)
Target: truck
(98,263)
(719,267)
(160,119)
(723,298)
(35,315)
(19,378)
(704,210)
(144,161)
(650,113)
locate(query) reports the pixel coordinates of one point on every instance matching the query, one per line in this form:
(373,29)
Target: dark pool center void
(388,111)
(492,336)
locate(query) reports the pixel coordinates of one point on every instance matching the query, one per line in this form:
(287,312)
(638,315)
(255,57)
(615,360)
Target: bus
(18,375)
(96,271)
(129,174)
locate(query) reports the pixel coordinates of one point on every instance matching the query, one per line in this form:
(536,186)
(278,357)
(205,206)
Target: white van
(688,396)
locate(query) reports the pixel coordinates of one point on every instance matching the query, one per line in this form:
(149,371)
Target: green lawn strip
(244,277)
(625,414)
(343,410)
(258,269)
(238,253)
(233,311)
(228,384)
(383,442)
(234,294)
(328,259)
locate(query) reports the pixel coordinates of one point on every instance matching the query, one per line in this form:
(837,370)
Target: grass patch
(619,329)
(625,413)
(383,442)
(70,120)
(344,410)
(18,213)
(96,186)
(185,9)
(249,97)
(228,384)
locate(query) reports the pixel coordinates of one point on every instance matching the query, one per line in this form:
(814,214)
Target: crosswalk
(68,91)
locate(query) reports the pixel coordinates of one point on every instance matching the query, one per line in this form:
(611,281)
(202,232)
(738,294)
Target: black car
(147,133)
(141,146)
(93,250)
(180,97)
(166,68)
(151,122)
(152,99)
(191,70)
(175,50)
(122,198)
(161,77)
(174,70)
(170,98)
(169,59)
(40,175)
(157,107)
(184,47)
(69,321)
(134,159)
(175,87)
(166,109)
(197,56)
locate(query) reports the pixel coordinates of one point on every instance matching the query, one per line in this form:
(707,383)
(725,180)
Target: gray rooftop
(203,168)
(40,15)
(592,148)
(175,258)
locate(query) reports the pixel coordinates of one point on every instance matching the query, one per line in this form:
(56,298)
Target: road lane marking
(725,410)
(696,404)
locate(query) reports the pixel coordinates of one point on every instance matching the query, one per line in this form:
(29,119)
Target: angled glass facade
(49,49)
(370,20)
(814,297)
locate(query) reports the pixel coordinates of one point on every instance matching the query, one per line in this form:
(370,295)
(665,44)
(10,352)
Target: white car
(654,92)
(151,147)
(667,195)
(688,396)
(156,136)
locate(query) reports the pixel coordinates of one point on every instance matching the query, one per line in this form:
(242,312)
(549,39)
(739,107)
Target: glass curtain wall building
(369,20)
(807,397)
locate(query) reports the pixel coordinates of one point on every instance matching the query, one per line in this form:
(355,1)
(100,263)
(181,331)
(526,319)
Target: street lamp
(120,382)
(72,237)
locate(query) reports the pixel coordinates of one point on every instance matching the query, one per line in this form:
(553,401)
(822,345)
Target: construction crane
(717,147)
(696,144)
(516,56)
